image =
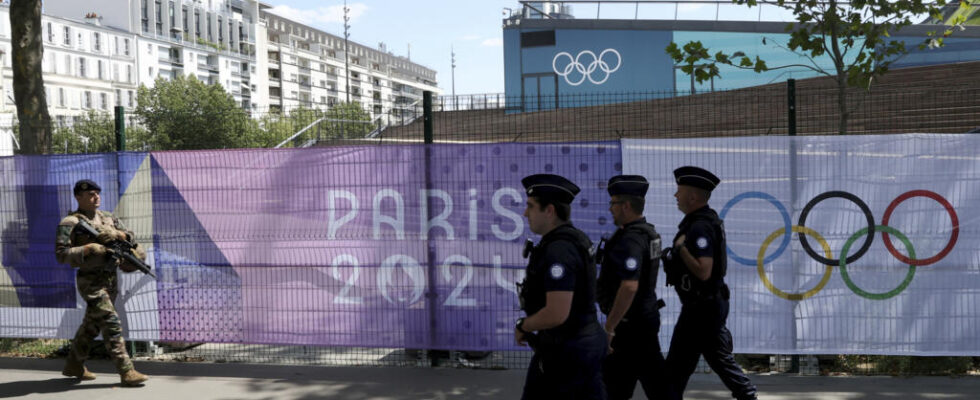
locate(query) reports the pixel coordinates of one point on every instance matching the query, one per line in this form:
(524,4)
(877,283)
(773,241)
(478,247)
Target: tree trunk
(32,108)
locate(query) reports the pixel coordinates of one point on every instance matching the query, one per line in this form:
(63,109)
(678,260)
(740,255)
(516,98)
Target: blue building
(554,61)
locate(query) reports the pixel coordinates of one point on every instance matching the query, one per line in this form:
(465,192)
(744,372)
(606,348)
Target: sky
(473,29)
(433,29)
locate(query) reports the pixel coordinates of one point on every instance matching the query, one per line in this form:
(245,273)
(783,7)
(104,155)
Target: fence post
(427,116)
(791,102)
(432,295)
(120,128)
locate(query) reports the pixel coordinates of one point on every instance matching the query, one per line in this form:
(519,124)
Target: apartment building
(212,40)
(97,53)
(307,68)
(86,65)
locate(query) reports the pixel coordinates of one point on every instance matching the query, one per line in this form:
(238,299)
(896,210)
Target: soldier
(696,266)
(627,280)
(96,282)
(558,296)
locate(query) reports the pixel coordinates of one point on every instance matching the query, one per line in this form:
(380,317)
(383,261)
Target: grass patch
(41,348)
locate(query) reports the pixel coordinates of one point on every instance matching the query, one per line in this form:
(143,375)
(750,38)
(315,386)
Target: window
(197,23)
(173,15)
(67,36)
(118,97)
(81,67)
(221,36)
(61,97)
(129,74)
(145,15)
(99,70)
(87,99)
(67,64)
(159,19)
(130,97)
(96,42)
(104,101)
(183,15)
(115,72)
(126,46)
(50,33)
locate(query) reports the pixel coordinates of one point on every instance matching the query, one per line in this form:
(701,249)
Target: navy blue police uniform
(701,327)
(567,359)
(632,254)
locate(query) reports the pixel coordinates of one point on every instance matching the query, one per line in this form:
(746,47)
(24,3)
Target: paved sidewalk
(41,379)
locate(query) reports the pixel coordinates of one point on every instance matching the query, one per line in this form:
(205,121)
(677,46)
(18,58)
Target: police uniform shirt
(560,261)
(702,239)
(627,253)
(624,260)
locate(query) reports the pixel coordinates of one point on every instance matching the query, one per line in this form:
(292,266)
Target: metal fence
(770,110)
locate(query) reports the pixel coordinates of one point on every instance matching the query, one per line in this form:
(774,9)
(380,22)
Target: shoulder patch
(631,264)
(702,242)
(557,271)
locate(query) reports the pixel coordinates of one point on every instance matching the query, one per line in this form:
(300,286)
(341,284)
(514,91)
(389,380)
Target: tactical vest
(583,300)
(645,301)
(689,288)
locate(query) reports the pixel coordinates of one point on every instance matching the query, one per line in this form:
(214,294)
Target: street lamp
(452,54)
(347,48)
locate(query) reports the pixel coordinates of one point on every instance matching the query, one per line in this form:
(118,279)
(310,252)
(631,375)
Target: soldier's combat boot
(77,370)
(132,378)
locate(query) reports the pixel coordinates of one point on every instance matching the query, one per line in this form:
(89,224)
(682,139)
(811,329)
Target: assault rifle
(119,250)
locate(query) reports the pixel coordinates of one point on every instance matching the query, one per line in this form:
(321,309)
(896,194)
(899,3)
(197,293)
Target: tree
(348,120)
(32,107)
(91,133)
(186,114)
(855,36)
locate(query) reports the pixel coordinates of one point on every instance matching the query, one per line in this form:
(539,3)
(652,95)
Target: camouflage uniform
(97,284)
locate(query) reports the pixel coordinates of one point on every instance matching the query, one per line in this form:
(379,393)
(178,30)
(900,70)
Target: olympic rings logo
(846,258)
(576,65)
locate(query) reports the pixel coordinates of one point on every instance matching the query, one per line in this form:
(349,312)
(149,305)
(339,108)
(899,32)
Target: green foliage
(43,348)
(902,365)
(94,132)
(186,114)
(348,120)
(856,37)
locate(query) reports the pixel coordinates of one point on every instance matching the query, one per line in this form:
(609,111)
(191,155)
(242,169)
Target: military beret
(86,184)
(551,187)
(697,177)
(628,185)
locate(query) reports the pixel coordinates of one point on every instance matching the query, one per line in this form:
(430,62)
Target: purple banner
(356,246)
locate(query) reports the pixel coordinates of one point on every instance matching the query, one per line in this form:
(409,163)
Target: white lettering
(397,222)
(504,212)
(333,224)
(441,219)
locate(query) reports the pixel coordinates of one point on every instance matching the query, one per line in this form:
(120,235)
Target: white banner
(914,291)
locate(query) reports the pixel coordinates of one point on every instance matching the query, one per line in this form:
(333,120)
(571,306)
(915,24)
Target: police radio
(598,252)
(655,250)
(528,248)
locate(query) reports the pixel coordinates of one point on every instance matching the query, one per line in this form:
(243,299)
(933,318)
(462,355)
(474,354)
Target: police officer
(696,266)
(96,282)
(627,280)
(558,295)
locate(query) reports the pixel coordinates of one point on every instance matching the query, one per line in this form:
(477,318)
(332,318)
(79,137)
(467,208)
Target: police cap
(550,187)
(86,184)
(628,185)
(697,177)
